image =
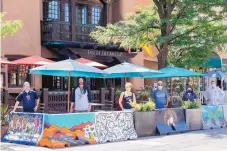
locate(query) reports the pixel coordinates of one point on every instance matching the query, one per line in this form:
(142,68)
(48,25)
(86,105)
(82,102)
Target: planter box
(4,130)
(194,119)
(145,123)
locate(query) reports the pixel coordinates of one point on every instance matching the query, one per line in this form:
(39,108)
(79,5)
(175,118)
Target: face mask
(213,85)
(128,89)
(189,90)
(160,87)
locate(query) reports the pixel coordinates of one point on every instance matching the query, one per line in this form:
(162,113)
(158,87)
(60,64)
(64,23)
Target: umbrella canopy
(129,70)
(214,74)
(171,71)
(5,61)
(66,67)
(33,60)
(91,63)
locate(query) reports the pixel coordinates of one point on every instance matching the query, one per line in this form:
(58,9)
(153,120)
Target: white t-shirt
(214,96)
(81,100)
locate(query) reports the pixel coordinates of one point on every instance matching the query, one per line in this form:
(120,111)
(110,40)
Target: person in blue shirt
(160,96)
(189,95)
(28,98)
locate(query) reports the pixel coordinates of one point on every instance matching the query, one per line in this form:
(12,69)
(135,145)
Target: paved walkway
(208,140)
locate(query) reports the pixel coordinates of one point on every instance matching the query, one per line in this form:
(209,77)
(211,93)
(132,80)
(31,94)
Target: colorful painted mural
(225,113)
(114,126)
(61,130)
(213,117)
(24,128)
(170,116)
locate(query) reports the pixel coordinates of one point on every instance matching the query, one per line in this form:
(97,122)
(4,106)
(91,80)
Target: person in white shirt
(214,95)
(81,98)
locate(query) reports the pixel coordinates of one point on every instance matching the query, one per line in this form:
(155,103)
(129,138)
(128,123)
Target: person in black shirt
(126,97)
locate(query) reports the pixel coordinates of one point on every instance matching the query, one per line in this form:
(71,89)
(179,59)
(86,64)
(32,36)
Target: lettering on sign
(105,53)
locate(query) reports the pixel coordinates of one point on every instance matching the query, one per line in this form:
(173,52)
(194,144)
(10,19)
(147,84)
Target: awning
(91,63)
(33,60)
(214,62)
(5,61)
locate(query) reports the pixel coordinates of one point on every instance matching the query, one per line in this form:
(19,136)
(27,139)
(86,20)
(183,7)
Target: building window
(56,83)
(66,12)
(17,75)
(95,17)
(81,14)
(53,10)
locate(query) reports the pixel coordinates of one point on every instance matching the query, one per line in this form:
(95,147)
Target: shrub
(191,105)
(144,107)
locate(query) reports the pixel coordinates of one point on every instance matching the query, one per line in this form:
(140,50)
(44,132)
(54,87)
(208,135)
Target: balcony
(55,31)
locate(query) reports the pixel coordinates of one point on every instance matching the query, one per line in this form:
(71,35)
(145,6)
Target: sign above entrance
(93,52)
(105,53)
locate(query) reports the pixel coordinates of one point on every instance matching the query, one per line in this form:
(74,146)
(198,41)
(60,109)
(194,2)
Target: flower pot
(145,124)
(194,119)
(4,130)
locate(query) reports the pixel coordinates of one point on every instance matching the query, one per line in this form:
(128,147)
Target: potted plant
(193,115)
(4,119)
(144,118)
(142,96)
(117,96)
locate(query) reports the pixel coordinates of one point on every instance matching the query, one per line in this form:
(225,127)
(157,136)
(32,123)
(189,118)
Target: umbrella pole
(125,78)
(68,91)
(171,89)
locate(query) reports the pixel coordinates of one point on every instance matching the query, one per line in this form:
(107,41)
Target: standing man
(160,96)
(28,98)
(81,98)
(214,95)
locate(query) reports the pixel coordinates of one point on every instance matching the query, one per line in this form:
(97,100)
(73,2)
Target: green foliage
(191,105)
(142,95)
(184,31)
(9,27)
(144,107)
(4,114)
(117,92)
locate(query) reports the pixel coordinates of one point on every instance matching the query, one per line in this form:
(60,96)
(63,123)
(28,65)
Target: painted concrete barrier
(114,126)
(24,128)
(213,117)
(225,113)
(170,120)
(72,129)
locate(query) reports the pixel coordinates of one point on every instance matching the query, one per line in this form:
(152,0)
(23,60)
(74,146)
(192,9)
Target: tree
(9,27)
(180,29)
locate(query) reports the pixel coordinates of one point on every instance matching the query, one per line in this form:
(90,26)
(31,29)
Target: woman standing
(126,97)
(189,95)
(81,98)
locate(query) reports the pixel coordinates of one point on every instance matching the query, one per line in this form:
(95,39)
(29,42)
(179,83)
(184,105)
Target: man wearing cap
(160,96)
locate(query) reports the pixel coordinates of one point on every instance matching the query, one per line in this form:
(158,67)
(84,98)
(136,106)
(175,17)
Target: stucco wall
(27,40)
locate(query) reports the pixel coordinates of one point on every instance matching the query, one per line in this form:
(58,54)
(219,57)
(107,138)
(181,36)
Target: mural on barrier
(24,128)
(170,120)
(114,126)
(213,117)
(225,113)
(61,130)
(170,116)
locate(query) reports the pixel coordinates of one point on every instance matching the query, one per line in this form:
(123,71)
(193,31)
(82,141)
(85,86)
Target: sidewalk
(206,140)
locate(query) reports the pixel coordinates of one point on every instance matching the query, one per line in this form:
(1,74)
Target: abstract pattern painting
(213,117)
(61,130)
(24,128)
(114,126)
